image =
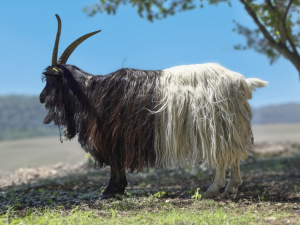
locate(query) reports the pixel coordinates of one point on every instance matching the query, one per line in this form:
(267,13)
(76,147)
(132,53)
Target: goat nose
(42,98)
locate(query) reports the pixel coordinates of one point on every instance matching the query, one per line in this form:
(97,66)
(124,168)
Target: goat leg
(235,180)
(219,181)
(117,184)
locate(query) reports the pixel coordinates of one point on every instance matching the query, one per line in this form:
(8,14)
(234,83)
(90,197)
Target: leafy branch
(277,22)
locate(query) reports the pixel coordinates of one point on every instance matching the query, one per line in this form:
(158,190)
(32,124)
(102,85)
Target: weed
(28,213)
(197,195)
(142,184)
(128,194)
(262,197)
(113,213)
(160,194)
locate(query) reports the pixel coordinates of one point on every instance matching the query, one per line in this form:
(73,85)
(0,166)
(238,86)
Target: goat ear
(52,71)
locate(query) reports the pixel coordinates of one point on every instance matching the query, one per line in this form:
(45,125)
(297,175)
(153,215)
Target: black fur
(111,115)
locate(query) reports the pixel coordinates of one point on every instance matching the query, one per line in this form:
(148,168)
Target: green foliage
(276,33)
(196,195)
(28,213)
(22,117)
(277,22)
(257,42)
(150,9)
(160,194)
(90,159)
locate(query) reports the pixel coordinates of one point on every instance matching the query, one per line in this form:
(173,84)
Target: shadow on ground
(272,179)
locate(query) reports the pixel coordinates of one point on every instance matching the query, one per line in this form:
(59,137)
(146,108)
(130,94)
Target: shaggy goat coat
(136,119)
(169,118)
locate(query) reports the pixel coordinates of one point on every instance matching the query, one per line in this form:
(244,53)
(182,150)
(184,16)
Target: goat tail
(254,83)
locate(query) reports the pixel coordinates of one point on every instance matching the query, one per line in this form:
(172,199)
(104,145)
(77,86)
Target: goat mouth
(42,97)
(42,100)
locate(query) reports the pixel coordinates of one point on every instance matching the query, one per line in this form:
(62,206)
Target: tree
(277,21)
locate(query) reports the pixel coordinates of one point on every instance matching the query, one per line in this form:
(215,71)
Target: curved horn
(55,50)
(64,57)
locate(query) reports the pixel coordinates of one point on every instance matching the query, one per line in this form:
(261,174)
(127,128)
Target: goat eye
(56,70)
(51,78)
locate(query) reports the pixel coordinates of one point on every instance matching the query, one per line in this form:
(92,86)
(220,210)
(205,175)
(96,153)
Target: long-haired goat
(136,119)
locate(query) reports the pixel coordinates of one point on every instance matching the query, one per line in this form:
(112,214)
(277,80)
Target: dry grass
(37,152)
(277,132)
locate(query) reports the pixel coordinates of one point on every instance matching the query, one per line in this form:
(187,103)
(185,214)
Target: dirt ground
(270,179)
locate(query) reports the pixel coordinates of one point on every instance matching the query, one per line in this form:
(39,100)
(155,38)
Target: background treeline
(22,117)
(285,113)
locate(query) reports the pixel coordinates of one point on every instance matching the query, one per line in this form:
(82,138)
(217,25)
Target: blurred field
(37,152)
(43,151)
(277,132)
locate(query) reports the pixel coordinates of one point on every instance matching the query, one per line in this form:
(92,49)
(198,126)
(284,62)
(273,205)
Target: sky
(28,30)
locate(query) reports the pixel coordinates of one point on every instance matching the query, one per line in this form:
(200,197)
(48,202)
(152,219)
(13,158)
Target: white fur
(235,180)
(203,115)
(87,80)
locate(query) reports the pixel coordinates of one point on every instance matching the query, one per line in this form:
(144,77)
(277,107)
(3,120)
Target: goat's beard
(65,110)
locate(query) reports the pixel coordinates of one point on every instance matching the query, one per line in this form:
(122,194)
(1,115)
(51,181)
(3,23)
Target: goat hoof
(229,192)
(226,194)
(210,194)
(107,196)
(116,195)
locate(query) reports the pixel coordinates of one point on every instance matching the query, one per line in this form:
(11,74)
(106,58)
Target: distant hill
(285,113)
(22,117)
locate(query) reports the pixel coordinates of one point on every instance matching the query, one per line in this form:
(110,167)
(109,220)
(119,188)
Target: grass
(270,194)
(165,212)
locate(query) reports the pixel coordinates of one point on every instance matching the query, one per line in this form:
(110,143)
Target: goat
(138,119)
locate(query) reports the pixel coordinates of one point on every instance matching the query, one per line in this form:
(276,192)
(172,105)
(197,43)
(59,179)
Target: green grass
(165,212)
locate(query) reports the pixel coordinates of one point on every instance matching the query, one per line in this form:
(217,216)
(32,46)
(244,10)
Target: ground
(65,194)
